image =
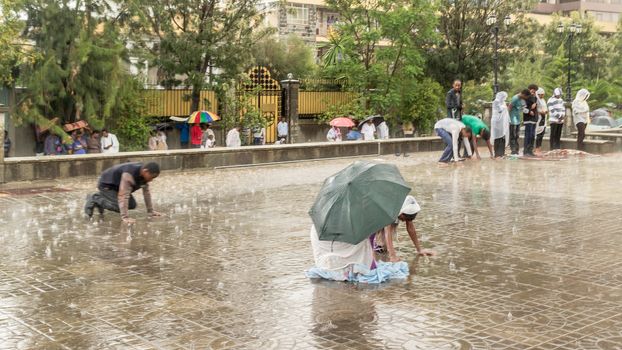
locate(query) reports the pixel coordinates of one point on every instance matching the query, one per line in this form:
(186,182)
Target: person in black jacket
(530,119)
(453,101)
(116,186)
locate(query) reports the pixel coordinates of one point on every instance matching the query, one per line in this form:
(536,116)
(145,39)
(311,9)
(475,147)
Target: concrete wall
(61,167)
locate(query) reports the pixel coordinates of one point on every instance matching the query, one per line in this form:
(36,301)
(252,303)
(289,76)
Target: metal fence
(177,102)
(312,103)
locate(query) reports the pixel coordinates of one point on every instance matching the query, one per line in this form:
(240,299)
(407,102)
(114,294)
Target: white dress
(368,131)
(233,138)
(339,256)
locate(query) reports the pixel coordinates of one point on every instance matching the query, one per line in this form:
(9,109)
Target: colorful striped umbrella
(202,117)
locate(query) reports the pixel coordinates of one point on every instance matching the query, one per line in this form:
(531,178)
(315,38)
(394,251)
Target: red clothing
(195,134)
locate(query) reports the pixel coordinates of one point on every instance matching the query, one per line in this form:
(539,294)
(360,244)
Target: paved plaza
(528,258)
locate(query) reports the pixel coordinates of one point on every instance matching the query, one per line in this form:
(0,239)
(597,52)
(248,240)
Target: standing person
(259,135)
(557,113)
(210,132)
(353,134)
(52,145)
(543,112)
(500,124)
(530,118)
(408,213)
(161,141)
(153,141)
(93,145)
(109,142)
(517,106)
(116,186)
(450,130)
(581,115)
(184,134)
(368,130)
(478,128)
(453,101)
(77,146)
(334,134)
(233,137)
(383,130)
(210,142)
(7,144)
(282,130)
(196,132)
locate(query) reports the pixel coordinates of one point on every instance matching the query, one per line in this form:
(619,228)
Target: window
(605,16)
(297,15)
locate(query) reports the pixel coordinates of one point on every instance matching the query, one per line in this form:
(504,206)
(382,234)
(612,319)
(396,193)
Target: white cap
(410,206)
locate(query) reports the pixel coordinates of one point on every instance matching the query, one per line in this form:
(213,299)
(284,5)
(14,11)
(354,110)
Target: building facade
(311,20)
(605,12)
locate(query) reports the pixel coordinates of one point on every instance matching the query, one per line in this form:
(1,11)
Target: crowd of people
(528,108)
(373,128)
(81,141)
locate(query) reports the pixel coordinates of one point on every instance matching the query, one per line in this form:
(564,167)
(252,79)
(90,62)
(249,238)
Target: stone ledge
(63,167)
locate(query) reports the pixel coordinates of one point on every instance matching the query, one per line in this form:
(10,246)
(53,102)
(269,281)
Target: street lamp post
(574,28)
(492,21)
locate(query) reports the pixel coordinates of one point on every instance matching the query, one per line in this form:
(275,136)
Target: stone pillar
(487,113)
(569,122)
(3,112)
(291,88)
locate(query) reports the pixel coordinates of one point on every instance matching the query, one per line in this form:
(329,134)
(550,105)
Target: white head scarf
(580,108)
(541,101)
(557,92)
(582,95)
(500,99)
(410,206)
(500,119)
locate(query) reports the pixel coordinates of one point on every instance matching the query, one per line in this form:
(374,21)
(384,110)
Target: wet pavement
(528,257)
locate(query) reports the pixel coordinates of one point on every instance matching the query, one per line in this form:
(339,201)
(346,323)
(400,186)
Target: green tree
(13,51)
(289,55)
(425,102)
(467,43)
(195,36)
(378,46)
(591,51)
(129,122)
(78,71)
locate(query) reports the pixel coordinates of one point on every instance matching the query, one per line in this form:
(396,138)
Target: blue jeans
(530,137)
(448,153)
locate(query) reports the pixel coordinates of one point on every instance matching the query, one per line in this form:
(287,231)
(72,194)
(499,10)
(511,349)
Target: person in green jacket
(517,107)
(478,127)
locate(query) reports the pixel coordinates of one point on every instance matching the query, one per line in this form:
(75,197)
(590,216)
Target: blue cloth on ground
(359,273)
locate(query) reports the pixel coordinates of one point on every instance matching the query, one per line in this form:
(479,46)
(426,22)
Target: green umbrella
(358,201)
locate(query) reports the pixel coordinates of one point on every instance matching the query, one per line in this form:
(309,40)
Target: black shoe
(88,207)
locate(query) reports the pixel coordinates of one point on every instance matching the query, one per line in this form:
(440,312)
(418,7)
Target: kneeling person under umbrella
(116,186)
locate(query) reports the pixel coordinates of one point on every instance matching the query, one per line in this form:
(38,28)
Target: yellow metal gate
(266,94)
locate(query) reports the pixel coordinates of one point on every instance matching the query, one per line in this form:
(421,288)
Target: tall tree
(378,45)
(591,50)
(195,37)
(13,51)
(467,42)
(284,56)
(78,71)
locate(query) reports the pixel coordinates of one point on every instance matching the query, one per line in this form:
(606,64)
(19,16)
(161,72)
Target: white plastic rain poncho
(580,108)
(500,120)
(557,110)
(542,109)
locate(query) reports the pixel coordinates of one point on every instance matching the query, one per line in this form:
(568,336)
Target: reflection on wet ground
(528,258)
